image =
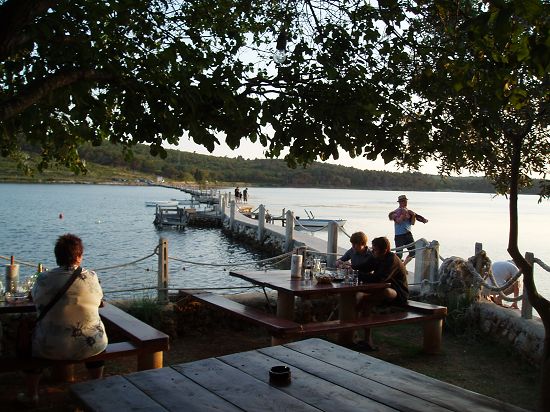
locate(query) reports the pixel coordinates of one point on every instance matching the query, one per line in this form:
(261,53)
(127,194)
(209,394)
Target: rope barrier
(127,264)
(343,231)
(21,262)
(254,262)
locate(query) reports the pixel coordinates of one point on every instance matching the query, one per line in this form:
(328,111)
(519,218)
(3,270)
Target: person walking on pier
(237,195)
(403,219)
(245,195)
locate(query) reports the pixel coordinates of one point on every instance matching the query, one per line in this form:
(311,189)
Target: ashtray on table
(279,375)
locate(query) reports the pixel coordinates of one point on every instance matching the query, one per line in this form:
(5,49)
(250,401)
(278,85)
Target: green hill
(106,164)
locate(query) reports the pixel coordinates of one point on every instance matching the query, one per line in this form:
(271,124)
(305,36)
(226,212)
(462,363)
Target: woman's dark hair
(382,244)
(68,249)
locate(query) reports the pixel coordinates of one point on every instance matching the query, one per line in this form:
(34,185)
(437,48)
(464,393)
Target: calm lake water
(117,228)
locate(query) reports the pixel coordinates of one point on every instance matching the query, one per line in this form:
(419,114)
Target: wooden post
(433,331)
(526,308)
(346,312)
(152,360)
(434,261)
(283,220)
(232,215)
(289,235)
(223,203)
(421,261)
(162,292)
(332,243)
(63,373)
(261,223)
(478,261)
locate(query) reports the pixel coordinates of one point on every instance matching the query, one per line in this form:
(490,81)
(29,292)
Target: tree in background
(480,78)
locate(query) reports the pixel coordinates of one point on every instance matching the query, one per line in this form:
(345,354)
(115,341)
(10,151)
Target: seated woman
(385,266)
(72,328)
(358,254)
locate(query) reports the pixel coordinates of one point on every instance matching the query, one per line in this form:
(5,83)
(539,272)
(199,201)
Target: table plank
(240,389)
(176,392)
(405,380)
(280,280)
(311,389)
(113,393)
(360,384)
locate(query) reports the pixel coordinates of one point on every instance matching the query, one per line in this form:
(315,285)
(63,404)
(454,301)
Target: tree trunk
(540,304)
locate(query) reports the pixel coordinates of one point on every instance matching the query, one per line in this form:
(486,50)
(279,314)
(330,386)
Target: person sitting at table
(72,329)
(385,266)
(358,254)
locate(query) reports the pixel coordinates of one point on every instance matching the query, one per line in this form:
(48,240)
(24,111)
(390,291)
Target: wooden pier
(172,216)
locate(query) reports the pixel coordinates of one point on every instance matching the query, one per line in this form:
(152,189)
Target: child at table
(385,267)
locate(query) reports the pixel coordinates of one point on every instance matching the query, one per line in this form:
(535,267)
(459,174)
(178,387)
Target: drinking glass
(323,268)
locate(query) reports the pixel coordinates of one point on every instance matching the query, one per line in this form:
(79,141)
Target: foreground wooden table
(288,288)
(325,377)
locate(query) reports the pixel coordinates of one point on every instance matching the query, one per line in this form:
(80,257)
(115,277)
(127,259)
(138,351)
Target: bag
(23,342)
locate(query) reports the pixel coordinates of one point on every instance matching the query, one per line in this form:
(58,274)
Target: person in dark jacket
(385,266)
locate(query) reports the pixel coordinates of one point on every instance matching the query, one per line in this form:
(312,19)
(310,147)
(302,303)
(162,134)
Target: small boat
(316,223)
(155,203)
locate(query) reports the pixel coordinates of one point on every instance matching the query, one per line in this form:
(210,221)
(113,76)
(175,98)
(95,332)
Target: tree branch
(15,15)
(37,90)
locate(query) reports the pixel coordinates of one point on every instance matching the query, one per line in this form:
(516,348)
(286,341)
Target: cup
(323,268)
(296,267)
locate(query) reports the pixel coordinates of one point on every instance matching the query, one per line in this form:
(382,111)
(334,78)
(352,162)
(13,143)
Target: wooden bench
(276,326)
(431,316)
(142,340)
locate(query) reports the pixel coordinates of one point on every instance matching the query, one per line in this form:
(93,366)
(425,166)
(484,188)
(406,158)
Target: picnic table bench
(431,316)
(140,340)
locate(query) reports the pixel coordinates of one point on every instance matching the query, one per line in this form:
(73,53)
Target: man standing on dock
(245,195)
(403,219)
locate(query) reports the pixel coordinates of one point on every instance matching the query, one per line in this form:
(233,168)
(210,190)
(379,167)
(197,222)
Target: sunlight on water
(117,228)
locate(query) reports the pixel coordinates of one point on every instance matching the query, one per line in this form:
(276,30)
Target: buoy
(61,216)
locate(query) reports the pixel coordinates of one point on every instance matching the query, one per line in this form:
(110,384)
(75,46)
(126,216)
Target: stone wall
(526,336)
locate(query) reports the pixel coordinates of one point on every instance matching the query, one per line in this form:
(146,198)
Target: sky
(249,150)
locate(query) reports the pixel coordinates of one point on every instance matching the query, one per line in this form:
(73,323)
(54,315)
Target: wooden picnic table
(324,377)
(288,288)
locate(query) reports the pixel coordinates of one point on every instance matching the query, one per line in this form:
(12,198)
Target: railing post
(426,261)
(434,261)
(163,276)
(526,308)
(12,276)
(478,262)
(289,234)
(332,243)
(232,215)
(261,223)
(421,261)
(223,201)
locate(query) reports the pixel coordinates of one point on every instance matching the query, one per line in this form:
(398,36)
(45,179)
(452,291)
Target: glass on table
(323,268)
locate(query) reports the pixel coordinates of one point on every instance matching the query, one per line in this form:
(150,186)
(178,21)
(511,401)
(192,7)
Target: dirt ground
(478,364)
